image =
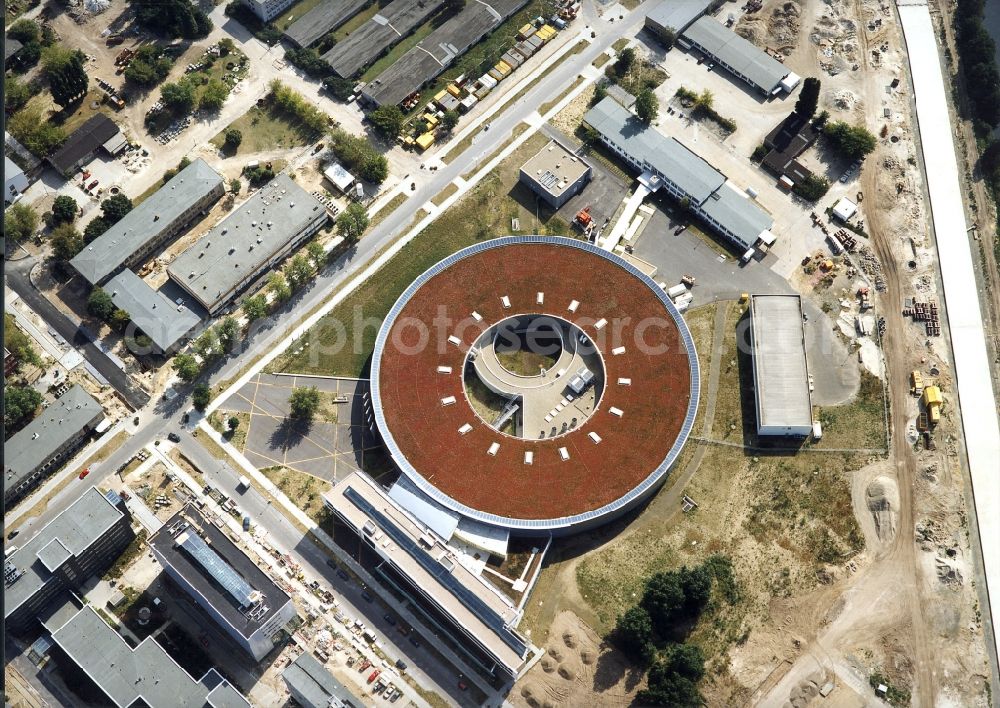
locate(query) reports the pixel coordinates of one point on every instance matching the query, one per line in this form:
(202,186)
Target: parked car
(85,472)
(173,437)
(367,596)
(389,618)
(342,574)
(415,641)
(400,664)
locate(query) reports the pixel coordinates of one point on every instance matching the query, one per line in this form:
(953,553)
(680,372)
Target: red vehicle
(364,665)
(86,471)
(90,187)
(374,675)
(462,686)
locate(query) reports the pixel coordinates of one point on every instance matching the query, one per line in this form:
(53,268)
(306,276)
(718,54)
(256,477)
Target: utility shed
(780,370)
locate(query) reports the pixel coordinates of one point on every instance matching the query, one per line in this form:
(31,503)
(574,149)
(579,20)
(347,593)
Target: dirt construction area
(852,559)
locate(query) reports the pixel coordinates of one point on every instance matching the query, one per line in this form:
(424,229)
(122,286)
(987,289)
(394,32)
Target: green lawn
(264,129)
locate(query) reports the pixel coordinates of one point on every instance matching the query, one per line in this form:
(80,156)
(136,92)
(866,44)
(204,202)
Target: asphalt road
(17,275)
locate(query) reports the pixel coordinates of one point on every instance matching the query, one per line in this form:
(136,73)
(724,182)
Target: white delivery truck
(244,484)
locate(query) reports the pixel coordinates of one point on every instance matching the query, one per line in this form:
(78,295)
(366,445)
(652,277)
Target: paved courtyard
(332,446)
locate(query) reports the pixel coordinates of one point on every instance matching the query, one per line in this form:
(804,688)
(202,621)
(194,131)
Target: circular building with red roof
(537,384)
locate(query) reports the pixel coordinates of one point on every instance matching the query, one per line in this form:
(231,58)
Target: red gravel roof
(632,446)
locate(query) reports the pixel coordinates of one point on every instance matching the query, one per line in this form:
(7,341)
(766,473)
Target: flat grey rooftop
(324,18)
(161,320)
(779,360)
(36,443)
(440,48)
(197,575)
(555,168)
(146,222)
(745,218)
(146,674)
(245,240)
(677,15)
(691,173)
(314,684)
(76,529)
(763,71)
(369,41)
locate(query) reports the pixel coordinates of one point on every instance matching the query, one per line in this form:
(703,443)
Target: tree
(299,271)
(310,61)
(24,31)
(705,100)
(663,600)
(66,242)
(226,46)
(97,226)
(625,61)
(64,209)
(67,78)
(353,221)
(233,423)
(303,403)
(114,208)
(449,120)
(853,142)
(233,139)
(186,367)
(179,96)
(387,120)
(279,287)
(172,18)
(812,188)
(20,404)
(207,345)
(696,584)
(634,635)
(35,131)
(687,660)
(647,107)
(317,253)
(100,304)
(18,343)
(375,168)
(201,396)
(149,66)
(805,106)
(229,332)
(19,222)
(235,185)
(453,7)
(340,88)
(255,307)
(16,93)
(667,37)
(119,319)
(214,95)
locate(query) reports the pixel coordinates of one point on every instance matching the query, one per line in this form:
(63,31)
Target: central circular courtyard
(535,384)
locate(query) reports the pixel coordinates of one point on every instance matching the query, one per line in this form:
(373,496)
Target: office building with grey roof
(438,50)
(684,174)
(312,686)
(322,19)
(376,36)
(149,226)
(556,174)
(229,586)
(38,449)
(741,58)
(83,540)
(228,259)
(166,323)
(671,17)
(780,368)
(142,676)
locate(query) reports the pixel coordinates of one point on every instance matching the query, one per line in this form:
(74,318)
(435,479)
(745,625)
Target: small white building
(845,209)
(339,177)
(15,181)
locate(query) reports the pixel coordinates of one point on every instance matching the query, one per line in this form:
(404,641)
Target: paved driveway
(330,447)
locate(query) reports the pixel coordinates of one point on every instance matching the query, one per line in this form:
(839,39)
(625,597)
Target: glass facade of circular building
(537,384)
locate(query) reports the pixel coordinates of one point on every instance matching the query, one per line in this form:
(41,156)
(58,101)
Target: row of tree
(359,156)
(977,59)
(293,104)
(176,19)
(20,400)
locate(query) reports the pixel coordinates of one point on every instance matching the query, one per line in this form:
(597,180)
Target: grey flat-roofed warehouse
(780,371)
(223,580)
(149,225)
(555,174)
(440,48)
(683,173)
(97,132)
(674,16)
(146,675)
(42,443)
(93,532)
(262,231)
(324,18)
(692,175)
(312,686)
(747,61)
(163,321)
(372,39)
